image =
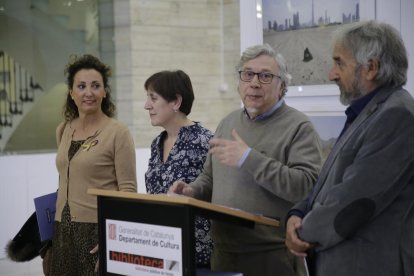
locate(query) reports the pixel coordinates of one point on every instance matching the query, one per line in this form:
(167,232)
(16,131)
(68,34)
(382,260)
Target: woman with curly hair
(94,151)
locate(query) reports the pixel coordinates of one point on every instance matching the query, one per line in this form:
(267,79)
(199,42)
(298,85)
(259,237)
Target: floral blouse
(184,162)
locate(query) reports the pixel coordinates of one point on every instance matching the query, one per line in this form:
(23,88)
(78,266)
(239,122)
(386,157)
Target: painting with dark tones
(301,31)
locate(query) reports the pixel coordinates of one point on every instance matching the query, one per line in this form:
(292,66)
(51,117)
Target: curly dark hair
(77,63)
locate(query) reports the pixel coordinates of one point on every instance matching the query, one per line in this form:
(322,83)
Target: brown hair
(77,63)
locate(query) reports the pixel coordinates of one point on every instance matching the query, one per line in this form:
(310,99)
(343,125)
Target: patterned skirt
(71,245)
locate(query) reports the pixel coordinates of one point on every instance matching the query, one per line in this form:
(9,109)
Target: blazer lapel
(370,109)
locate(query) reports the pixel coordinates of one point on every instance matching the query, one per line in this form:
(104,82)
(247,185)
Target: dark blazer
(361,212)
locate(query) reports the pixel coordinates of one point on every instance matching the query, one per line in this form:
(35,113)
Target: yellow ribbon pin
(86,147)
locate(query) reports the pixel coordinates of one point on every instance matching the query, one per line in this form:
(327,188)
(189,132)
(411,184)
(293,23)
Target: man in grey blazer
(359,218)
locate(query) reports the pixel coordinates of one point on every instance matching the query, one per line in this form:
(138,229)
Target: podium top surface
(183,200)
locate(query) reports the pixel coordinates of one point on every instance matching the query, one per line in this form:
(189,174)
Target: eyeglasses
(264,77)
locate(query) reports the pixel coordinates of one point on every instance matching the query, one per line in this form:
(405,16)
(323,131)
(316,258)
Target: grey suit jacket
(361,212)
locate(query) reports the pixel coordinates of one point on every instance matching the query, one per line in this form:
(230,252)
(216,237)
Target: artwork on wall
(301,29)
(328,128)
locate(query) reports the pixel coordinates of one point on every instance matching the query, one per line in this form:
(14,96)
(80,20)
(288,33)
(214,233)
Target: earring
(175,110)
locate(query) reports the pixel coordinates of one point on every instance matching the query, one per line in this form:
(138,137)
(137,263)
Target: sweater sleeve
(125,163)
(203,185)
(59,132)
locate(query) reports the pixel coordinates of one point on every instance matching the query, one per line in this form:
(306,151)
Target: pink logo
(112,231)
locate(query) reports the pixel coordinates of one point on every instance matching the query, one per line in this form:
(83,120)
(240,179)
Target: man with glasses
(262,159)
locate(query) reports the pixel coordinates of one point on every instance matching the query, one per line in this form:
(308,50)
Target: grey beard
(347,99)
(356,92)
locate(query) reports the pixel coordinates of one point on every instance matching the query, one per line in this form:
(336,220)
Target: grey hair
(372,40)
(265,49)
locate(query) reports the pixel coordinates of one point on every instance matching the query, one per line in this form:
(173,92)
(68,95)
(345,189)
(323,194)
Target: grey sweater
(280,170)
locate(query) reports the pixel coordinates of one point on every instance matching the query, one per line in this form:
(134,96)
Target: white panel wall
(251,27)
(24,177)
(407,23)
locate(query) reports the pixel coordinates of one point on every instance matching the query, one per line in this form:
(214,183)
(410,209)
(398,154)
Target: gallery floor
(10,268)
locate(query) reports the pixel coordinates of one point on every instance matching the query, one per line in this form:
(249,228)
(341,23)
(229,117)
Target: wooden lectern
(143,234)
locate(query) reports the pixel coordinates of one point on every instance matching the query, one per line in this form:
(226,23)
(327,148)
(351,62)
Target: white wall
(24,177)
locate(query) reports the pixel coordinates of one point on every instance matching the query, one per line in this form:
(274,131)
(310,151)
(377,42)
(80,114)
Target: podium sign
(150,235)
(131,247)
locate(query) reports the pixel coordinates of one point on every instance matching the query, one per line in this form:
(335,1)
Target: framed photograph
(301,31)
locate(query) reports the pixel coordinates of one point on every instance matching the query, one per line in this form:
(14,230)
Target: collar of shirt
(258,118)
(183,129)
(267,113)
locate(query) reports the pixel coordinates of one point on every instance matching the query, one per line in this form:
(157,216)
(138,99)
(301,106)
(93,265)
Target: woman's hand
(181,188)
(93,251)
